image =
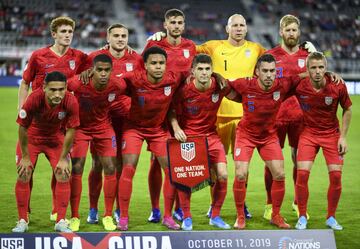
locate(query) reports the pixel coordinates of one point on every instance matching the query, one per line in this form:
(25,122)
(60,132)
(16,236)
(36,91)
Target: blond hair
(289,19)
(315,56)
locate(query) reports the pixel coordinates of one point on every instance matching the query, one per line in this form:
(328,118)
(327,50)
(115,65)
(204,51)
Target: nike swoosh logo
(250,96)
(118,75)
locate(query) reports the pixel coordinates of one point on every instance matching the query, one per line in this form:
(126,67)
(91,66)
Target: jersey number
(251,106)
(225,65)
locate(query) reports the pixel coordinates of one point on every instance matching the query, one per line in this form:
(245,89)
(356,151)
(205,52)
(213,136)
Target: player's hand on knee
(180,135)
(342,146)
(158,36)
(25,167)
(62,169)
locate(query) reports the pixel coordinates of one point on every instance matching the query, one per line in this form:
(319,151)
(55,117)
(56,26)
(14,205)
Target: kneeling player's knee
(222,176)
(24,178)
(109,170)
(77,169)
(278,176)
(62,177)
(241,176)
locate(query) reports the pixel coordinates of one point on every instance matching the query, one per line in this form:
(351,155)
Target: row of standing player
(172,25)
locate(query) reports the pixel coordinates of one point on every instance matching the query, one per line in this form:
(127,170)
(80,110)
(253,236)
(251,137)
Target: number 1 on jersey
(225,65)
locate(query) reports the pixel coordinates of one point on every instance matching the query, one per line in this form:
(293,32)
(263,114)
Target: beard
(291,42)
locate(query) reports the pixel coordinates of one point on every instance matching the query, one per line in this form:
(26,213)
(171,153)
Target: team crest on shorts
(61,115)
(167,90)
(186,53)
(188,151)
(72,64)
(215,97)
(328,100)
(237,152)
(301,63)
(129,67)
(123,144)
(111,97)
(276,95)
(22,114)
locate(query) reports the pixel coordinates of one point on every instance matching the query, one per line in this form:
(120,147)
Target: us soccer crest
(237,152)
(61,115)
(276,95)
(247,52)
(186,53)
(129,67)
(215,97)
(301,63)
(72,64)
(328,100)
(188,151)
(167,90)
(111,97)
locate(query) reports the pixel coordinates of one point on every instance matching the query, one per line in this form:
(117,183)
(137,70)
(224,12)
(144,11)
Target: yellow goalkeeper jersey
(232,63)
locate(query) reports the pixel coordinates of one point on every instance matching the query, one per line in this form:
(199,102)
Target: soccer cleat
(53,216)
(279,221)
(178,214)
(268,212)
(123,224)
(108,223)
(74,224)
(247,212)
(209,212)
(333,224)
(155,216)
(240,223)
(301,223)
(21,227)
(170,223)
(187,224)
(296,209)
(116,215)
(93,217)
(62,226)
(218,222)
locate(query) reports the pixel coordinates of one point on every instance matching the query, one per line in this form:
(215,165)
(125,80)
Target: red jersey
(128,63)
(320,107)
(95,105)
(180,57)
(289,65)
(44,60)
(45,122)
(198,109)
(261,107)
(150,102)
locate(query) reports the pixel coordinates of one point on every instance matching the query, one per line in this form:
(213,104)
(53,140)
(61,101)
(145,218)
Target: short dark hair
(265,58)
(201,58)
(173,12)
(153,50)
(102,58)
(116,25)
(54,76)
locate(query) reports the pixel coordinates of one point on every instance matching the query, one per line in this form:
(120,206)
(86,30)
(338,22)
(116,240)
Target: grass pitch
(347,214)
